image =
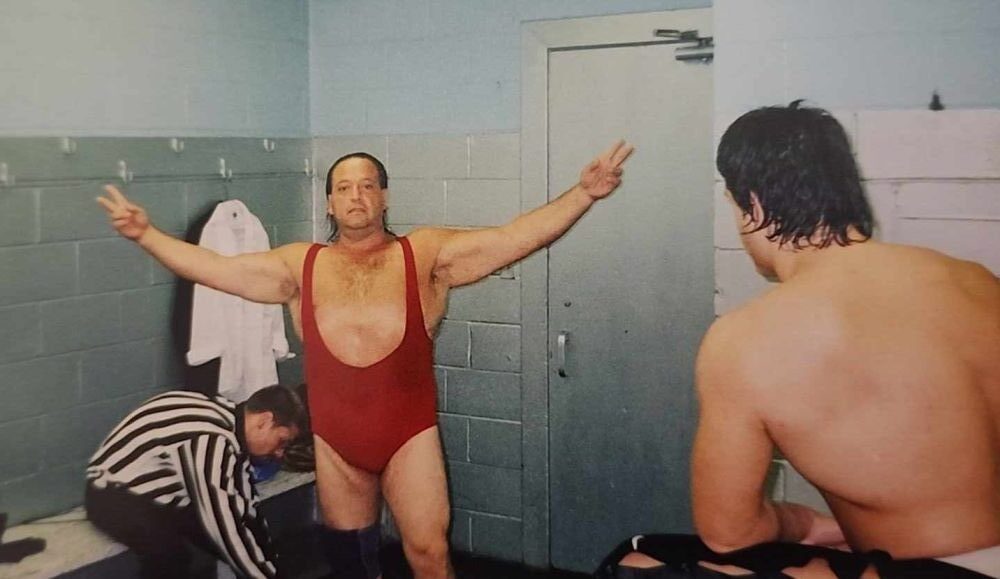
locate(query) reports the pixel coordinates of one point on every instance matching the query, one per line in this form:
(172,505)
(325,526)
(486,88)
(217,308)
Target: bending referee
(176,472)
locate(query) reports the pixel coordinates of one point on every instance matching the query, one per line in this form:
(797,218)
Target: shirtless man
(366,305)
(874,368)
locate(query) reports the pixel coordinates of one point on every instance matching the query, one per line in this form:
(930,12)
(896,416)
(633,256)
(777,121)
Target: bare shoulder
(293,254)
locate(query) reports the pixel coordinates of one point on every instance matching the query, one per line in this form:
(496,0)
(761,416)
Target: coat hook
(123,173)
(308,168)
(224,172)
(67,146)
(176,145)
(269,145)
(5,178)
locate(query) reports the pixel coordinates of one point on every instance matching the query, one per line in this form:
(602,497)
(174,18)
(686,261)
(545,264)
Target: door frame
(538,40)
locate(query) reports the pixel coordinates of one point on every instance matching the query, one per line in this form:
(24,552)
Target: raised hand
(127,218)
(604,174)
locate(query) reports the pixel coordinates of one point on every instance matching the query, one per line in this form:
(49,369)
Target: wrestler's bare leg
(348,496)
(416,489)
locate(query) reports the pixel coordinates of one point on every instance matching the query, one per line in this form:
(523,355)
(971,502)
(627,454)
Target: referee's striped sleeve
(220,486)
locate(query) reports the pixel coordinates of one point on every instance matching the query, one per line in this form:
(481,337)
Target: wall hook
(5,176)
(308,168)
(67,146)
(176,145)
(268,145)
(123,173)
(224,172)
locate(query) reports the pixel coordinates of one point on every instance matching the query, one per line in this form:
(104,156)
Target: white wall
(154,67)
(430,66)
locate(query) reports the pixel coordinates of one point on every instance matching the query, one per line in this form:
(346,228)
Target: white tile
(417,201)
(928,144)
(476,202)
(727,235)
(977,241)
(882,197)
(736,280)
(799,490)
(951,200)
(496,156)
(429,156)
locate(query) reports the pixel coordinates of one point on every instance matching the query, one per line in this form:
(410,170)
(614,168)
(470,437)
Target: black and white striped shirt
(183,449)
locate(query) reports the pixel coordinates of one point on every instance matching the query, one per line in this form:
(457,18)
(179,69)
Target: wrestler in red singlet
(366,414)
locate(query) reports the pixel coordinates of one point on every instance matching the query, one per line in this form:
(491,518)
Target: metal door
(630,296)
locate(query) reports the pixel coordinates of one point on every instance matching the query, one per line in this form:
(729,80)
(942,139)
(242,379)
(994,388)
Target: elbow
(723,536)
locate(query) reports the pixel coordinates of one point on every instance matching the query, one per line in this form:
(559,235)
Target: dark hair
(383,182)
(283,402)
(798,162)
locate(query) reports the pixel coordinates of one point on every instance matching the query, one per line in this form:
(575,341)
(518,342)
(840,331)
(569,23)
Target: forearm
(543,225)
(260,277)
(184,259)
(794,521)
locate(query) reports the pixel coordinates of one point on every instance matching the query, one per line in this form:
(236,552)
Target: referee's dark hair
(281,401)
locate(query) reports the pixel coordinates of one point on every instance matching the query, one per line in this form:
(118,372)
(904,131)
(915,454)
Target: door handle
(561,353)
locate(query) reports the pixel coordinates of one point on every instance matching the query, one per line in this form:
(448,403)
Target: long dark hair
(798,162)
(383,182)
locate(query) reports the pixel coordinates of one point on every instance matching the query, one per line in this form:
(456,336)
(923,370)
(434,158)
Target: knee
(427,552)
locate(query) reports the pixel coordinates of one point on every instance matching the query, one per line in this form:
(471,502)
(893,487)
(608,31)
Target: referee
(176,472)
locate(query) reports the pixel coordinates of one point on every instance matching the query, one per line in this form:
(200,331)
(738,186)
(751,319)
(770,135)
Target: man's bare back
(881,384)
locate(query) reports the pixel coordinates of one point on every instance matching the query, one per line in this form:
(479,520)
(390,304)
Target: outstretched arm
(467,256)
(260,277)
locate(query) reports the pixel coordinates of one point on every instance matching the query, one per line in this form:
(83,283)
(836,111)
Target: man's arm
(260,277)
(732,453)
(468,256)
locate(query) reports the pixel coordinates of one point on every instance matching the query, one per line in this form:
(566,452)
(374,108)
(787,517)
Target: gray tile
(168,364)
(488,394)
(418,201)
(291,372)
(454,437)
(78,323)
(46,493)
(496,347)
(281,200)
(161,275)
(495,156)
(117,370)
(496,537)
(19,449)
(147,313)
(37,386)
(495,443)
(113,264)
(18,216)
(20,333)
(486,488)
(73,435)
(427,156)
(200,198)
(163,202)
(441,378)
(482,202)
(36,273)
(72,212)
(286,233)
(492,299)
(451,345)
(461,531)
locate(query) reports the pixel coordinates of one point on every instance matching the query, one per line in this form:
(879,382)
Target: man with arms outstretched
(874,368)
(366,305)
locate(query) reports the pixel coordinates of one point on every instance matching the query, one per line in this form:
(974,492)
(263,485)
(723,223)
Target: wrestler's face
(356,200)
(265,438)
